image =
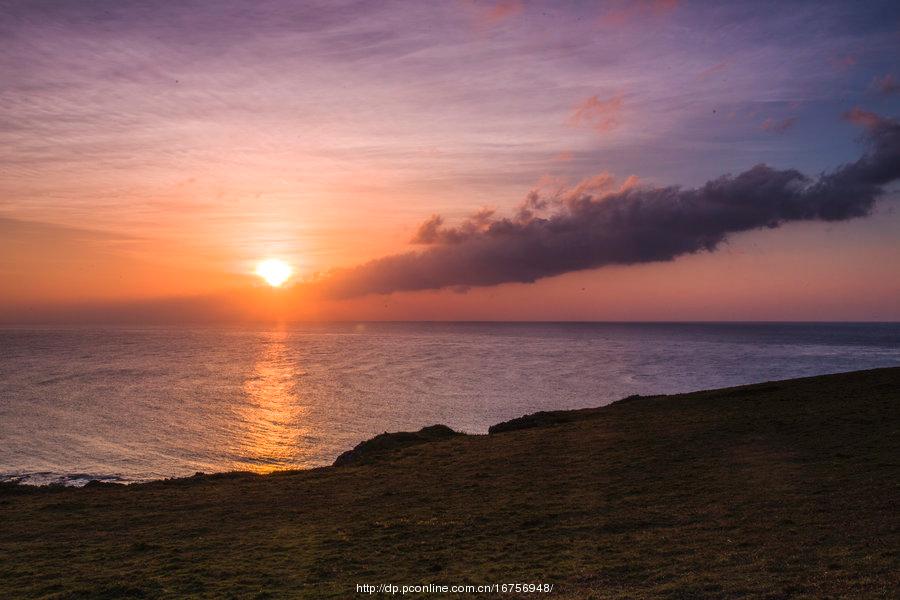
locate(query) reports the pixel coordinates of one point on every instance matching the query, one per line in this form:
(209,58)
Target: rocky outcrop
(554,417)
(378,446)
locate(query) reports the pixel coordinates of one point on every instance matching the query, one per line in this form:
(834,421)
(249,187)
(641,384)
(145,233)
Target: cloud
(844,62)
(632,10)
(862,117)
(714,70)
(494,13)
(778,125)
(886,85)
(601,223)
(599,115)
(433,231)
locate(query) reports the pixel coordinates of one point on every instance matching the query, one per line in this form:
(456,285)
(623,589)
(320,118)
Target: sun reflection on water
(271,416)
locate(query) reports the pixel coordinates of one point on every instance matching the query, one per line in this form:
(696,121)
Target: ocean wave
(64,479)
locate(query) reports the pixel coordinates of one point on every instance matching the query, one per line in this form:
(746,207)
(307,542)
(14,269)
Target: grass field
(778,490)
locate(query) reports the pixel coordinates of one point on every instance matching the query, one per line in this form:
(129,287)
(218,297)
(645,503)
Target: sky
(476,160)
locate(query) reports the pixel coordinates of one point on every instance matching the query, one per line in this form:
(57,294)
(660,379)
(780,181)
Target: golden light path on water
(271,419)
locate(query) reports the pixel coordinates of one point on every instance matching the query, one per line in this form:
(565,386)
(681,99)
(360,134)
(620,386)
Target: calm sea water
(141,404)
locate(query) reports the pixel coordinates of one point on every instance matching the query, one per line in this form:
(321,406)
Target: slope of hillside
(782,489)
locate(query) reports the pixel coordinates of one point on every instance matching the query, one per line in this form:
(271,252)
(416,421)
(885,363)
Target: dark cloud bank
(590,226)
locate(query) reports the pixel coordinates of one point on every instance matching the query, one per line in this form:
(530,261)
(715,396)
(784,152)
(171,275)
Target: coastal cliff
(779,490)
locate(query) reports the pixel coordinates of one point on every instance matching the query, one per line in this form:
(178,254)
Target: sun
(275,272)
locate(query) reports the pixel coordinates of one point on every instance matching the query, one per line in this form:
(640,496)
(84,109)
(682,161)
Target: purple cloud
(589,228)
(778,125)
(886,85)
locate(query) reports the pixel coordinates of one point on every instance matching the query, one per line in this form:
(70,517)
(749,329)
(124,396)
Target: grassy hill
(777,490)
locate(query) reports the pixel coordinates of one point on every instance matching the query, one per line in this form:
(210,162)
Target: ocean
(137,404)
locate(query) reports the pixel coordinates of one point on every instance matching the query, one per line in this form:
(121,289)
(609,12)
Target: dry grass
(778,490)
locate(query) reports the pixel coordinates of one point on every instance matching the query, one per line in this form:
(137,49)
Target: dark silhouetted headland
(776,490)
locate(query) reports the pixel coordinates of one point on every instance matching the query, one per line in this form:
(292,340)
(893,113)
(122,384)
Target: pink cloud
(859,116)
(714,70)
(844,62)
(599,115)
(625,12)
(491,14)
(778,125)
(433,231)
(886,85)
(596,185)
(550,192)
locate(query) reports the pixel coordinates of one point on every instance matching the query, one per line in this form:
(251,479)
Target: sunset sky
(513,160)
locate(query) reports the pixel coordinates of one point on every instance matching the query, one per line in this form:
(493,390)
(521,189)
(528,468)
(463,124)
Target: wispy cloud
(627,11)
(862,117)
(886,85)
(714,70)
(844,61)
(778,126)
(600,115)
(491,13)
